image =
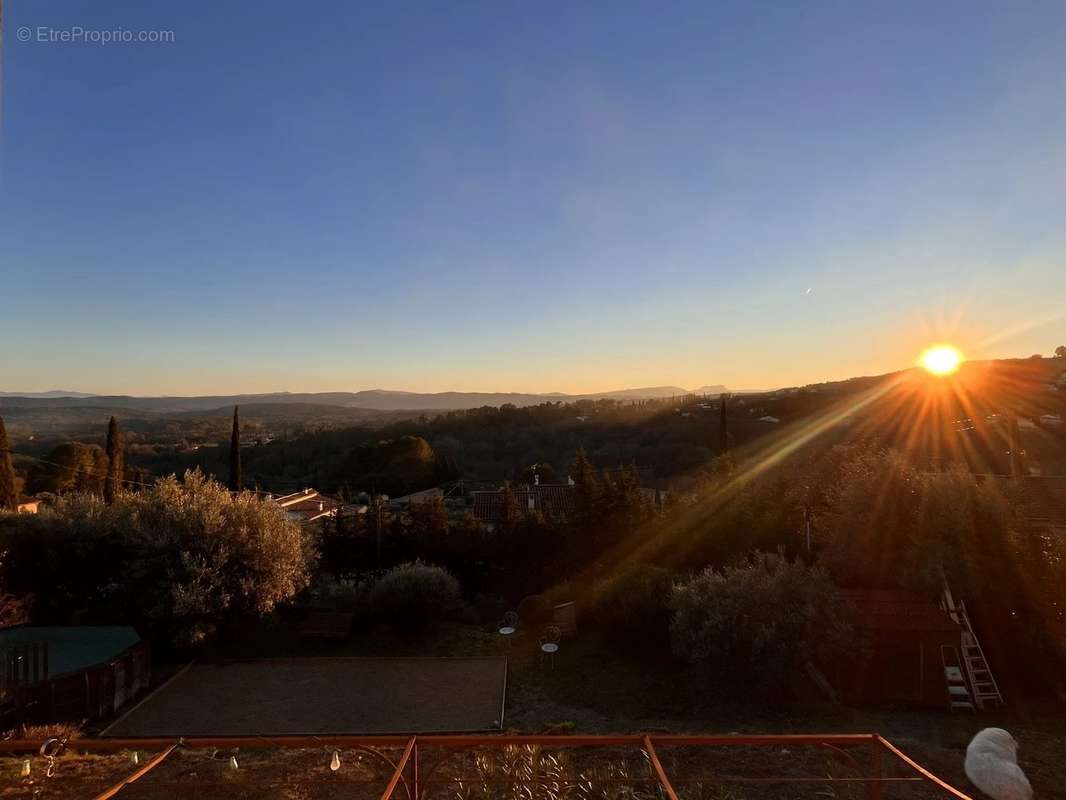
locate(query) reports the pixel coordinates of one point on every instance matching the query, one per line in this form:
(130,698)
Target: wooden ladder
(983,684)
(982,681)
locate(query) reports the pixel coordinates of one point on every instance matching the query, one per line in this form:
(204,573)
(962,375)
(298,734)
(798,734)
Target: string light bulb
(335,762)
(134,758)
(26,768)
(233,762)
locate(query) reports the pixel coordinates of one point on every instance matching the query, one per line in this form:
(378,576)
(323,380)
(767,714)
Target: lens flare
(941,359)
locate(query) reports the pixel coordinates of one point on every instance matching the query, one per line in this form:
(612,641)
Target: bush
(185,557)
(760,619)
(534,611)
(414,595)
(633,607)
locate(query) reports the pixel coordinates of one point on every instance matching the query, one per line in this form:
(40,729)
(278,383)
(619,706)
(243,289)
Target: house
(308,505)
(1044,499)
(901,640)
(554,501)
(27,505)
(417,498)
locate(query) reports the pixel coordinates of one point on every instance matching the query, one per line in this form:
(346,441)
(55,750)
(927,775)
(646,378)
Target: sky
(507,196)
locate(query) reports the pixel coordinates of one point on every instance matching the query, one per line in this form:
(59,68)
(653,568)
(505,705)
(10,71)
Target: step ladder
(959,698)
(983,684)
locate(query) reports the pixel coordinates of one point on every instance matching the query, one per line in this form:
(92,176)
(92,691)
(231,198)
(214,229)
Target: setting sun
(942,359)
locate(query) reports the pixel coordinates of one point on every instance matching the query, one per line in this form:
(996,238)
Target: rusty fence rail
(406,781)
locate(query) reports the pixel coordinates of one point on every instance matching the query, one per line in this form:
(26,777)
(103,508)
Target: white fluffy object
(992,765)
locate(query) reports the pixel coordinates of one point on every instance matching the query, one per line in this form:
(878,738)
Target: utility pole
(1014,446)
(375,502)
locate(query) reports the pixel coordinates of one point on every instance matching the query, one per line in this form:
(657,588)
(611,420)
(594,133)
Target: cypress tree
(588,491)
(114,461)
(235,454)
(510,513)
(8,491)
(723,430)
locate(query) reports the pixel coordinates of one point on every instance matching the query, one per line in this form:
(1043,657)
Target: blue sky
(542,197)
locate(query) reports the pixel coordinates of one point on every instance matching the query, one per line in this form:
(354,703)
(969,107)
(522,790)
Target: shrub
(760,619)
(534,611)
(188,556)
(633,607)
(414,595)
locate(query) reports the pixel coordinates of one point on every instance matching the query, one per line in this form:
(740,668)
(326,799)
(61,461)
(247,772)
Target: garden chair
(507,626)
(549,644)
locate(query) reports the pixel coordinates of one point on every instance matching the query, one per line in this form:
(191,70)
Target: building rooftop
(554,501)
(889,610)
(308,505)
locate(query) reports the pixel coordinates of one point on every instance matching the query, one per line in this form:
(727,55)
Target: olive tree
(758,620)
(182,554)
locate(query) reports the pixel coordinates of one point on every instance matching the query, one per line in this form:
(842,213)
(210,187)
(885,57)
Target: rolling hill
(370,399)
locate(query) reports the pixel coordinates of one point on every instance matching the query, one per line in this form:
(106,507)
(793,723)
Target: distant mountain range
(44,395)
(371,399)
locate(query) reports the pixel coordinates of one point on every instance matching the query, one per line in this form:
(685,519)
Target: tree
(723,429)
(890,525)
(429,518)
(1060,351)
(235,454)
(510,513)
(587,490)
(180,558)
(71,467)
(394,466)
(624,506)
(760,620)
(113,480)
(8,488)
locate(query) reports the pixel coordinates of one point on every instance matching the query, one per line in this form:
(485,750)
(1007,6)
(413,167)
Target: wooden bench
(334,625)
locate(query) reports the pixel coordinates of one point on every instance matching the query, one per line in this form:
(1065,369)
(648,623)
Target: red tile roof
(555,501)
